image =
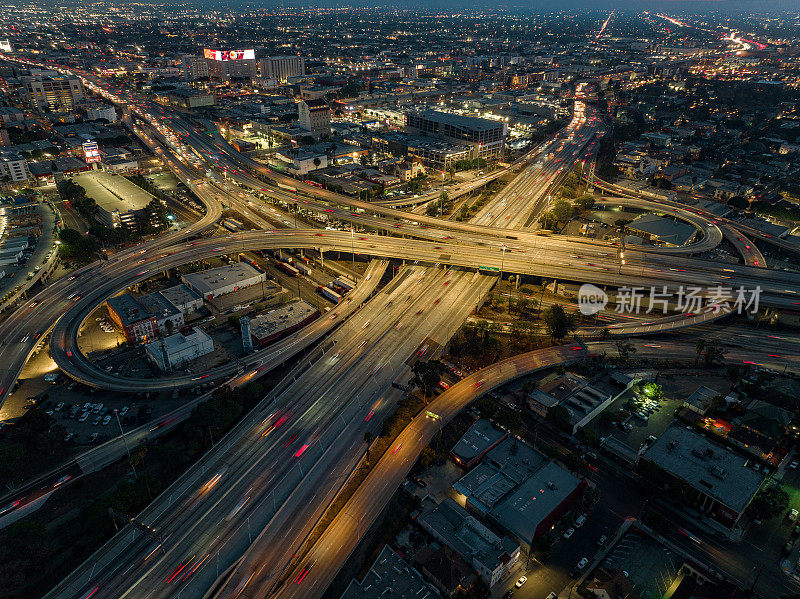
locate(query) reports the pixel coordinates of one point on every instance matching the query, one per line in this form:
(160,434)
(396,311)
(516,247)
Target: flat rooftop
(280,319)
(521,511)
(458,120)
(477,440)
(113,192)
(158,305)
(177,342)
(707,466)
(466,535)
(180,295)
(390,576)
(208,281)
(664,229)
(129,309)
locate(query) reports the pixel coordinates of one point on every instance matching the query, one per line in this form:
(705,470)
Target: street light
(500,283)
(353,252)
(125,440)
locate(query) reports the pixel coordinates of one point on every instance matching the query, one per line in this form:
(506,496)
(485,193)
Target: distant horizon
(538,6)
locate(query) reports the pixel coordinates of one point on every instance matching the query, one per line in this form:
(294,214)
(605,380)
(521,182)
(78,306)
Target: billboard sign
(91,152)
(225,55)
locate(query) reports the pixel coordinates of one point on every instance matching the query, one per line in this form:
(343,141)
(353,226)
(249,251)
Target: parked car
(521,581)
(580,520)
(582,564)
(570,531)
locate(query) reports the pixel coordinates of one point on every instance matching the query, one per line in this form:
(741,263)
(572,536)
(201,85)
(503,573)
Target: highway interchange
(272,476)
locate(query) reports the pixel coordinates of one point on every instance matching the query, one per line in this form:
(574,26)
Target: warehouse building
(168,317)
(476,442)
(132,317)
(491,556)
(520,490)
(215,282)
(178,350)
(708,476)
(281,322)
(390,576)
(183,298)
(119,202)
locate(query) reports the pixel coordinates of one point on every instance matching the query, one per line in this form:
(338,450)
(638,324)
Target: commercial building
(132,317)
(520,490)
(476,442)
(491,556)
(11,116)
(390,576)
(183,298)
(445,569)
(315,116)
(283,321)
(168,317)
(214,282)
(178,350)
(663,230)
(194,67)
(101,111)
(281,68)
(188,98)
(302,160)
(228,64)
(710,477)
(487,138)
(435,153)
(119,202)
(14,166)
(59,93)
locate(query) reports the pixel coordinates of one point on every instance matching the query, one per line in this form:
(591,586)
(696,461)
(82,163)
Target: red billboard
(225,55)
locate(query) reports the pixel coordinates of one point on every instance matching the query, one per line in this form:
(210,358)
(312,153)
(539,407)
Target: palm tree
(368,439)
(699,347)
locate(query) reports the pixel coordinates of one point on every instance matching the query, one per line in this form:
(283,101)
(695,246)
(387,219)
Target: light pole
(500,283)
(353,251)
(125,441)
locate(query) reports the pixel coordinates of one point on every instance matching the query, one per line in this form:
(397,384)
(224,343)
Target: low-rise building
(390,576)
(491,556)
(520,490)
(303,161)
(168,317)
(98,111)
(481,437)
(274,325)
(132,317)
(710,477)
(179,349)
(14,166)
(445,569)
(214,282)
(183,298)
(189,99)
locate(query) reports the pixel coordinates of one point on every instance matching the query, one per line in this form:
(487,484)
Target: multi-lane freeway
(238,517)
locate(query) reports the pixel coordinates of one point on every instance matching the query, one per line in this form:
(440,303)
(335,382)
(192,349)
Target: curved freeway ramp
(711,235)
(72,361)
(258,364)
(323,561)
(666,324)
(731,229)
(22,331)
